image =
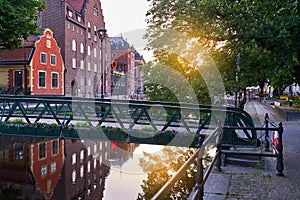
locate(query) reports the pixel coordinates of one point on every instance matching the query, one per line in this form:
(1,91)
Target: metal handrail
(164,190)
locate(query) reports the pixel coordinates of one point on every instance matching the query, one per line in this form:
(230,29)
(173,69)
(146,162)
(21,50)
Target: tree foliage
(265,33)
(18,20)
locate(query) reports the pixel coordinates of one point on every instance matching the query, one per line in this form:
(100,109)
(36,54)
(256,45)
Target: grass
(295,106)
(260,165)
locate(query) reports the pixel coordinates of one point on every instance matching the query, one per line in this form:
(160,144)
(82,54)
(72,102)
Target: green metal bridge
(148,122)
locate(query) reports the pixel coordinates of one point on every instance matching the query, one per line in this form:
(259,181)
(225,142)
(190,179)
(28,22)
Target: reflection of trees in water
(10,192)
(161,167)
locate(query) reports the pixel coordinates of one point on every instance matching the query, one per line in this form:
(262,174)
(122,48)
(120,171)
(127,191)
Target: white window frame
(73,45)
(51,56)
(74,63)
(41,60)
(81,48)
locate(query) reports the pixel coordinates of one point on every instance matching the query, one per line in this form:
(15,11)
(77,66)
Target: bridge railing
(202,175)
(127,115)
(201,178)
(275,142)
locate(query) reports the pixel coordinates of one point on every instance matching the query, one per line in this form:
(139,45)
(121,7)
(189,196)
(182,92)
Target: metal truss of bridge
(175,124)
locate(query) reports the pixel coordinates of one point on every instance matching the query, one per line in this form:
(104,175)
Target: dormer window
(70,13)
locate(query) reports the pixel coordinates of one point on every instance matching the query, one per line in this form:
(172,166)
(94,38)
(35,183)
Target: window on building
(69,25)
(44,170)
(89,150)
(74,176)
(53,59)
(42,150)
(95,33)
(73,158)
(89,30)
(70,13)
(95,10)
(78,18)
(43,58)
(81,48)
(73,62)
(89,50)
(89,66)
(95,148)
(95,67)
(54,80)
(81,171)
(95,53)
(54,147)
(48,44)
(42,79)
(53,167)
(81,65)
(19,154)
(95,163)
(73,45)
(81,155)
(89,166)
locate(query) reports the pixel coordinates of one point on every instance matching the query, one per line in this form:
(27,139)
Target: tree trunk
(261,86)
(290,91)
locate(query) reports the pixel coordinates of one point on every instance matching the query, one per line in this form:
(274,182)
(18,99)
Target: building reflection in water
(59,168)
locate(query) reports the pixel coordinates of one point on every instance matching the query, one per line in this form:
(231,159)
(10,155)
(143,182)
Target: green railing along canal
(145,122)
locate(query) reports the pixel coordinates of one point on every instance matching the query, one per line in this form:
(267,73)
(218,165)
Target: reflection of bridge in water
(145,122)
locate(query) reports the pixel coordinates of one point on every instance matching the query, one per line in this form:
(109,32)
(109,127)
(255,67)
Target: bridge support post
(279,164)
(266,143)
(199,180)
(199,189)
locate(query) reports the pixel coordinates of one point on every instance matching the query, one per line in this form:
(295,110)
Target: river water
(77,169)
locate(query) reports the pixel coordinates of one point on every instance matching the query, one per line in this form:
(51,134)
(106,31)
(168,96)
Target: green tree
(18,20)
(265,33)
(174,80)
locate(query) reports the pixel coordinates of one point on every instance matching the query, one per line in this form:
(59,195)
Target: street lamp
(102,34)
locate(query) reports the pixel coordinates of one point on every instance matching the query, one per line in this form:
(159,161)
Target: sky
(127,17)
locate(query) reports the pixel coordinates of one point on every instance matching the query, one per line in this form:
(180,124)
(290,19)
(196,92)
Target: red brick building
(47,159)
(126,77)
(34,165)
(37,68)
(75,24)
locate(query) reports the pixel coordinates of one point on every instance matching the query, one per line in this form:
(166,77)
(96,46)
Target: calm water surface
(72,169)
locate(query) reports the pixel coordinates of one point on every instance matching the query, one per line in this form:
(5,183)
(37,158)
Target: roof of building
(19,56)
(138,56)
(119,43)
(16,176)
(77,5)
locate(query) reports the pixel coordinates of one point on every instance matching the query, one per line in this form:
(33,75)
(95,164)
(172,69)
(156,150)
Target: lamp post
(237,77)
(102,34)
